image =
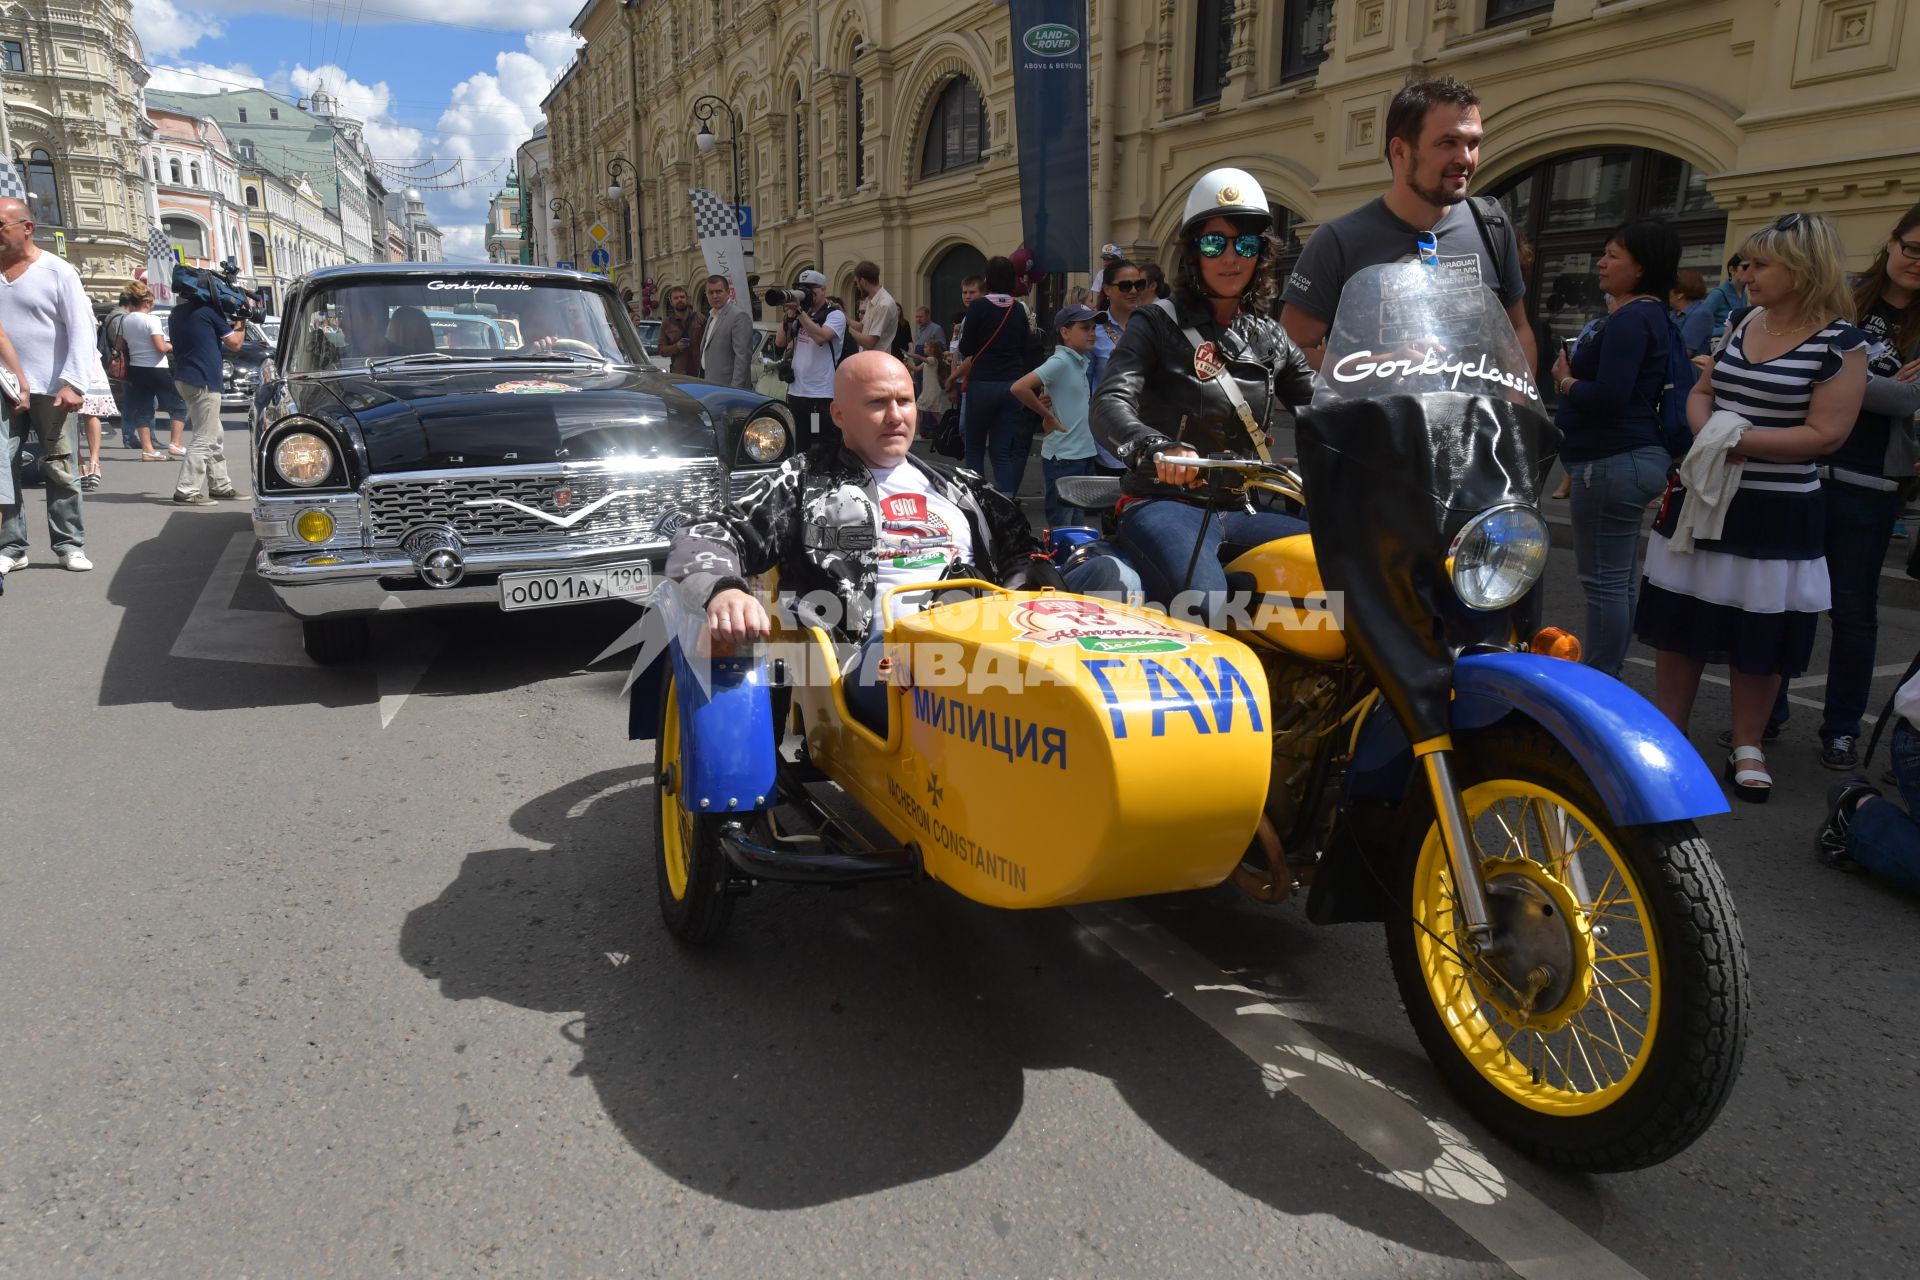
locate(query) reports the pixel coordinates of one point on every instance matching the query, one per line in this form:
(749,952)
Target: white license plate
(582,586)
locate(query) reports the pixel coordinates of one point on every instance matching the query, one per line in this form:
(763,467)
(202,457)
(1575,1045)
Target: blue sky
(437,81)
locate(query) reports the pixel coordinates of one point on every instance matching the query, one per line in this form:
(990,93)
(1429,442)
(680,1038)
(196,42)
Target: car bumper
(314,583)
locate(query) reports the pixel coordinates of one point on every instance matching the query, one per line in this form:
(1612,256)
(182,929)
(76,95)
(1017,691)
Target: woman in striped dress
(1794,368)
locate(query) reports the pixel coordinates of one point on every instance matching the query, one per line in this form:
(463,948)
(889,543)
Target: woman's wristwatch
(1565,384)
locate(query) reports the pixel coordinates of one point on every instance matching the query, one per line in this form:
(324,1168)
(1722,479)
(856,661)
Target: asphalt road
(347,973)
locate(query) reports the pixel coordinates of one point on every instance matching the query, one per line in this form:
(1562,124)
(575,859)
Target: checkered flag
(712,216)
(11,182)
(719,236)
(160,264)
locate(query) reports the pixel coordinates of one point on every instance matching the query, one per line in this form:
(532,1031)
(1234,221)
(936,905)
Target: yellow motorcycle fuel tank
(1289,608)
(1050,749)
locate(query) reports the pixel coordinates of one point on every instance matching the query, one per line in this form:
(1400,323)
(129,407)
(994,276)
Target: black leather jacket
(1150,398)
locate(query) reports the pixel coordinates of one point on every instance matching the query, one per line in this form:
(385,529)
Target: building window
(173,172)
(1306,37)
(243,115)
(43,192)
(187,234)
(1499,11)
(799,150)
(859,134)
(194,169)
(273,113)
(1212,49)
(253,198)
(13,56)
(257,246)
(956,131)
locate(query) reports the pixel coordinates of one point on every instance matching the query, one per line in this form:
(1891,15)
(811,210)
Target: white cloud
(203,77)
(371,104)
(465,243)
(491,113)
(166,29)
(505,15)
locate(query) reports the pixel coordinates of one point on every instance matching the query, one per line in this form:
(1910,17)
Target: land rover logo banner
(1050,87)
(719,234)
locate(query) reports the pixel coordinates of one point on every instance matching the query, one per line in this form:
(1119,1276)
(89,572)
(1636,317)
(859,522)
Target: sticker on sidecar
(971,853)
(1012,737)
(1097,628)
(1208,705)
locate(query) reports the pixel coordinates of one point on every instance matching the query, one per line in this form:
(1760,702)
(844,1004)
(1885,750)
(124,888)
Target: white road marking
(218,632)
(1807,682)
(1509,1222)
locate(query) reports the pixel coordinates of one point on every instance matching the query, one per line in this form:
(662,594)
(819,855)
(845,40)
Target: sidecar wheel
(690,870)
(1632,1047)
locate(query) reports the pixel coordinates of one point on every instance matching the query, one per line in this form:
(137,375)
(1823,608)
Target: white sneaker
(76,561)
(10,563)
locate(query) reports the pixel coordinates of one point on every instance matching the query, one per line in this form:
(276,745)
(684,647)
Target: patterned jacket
(816,520)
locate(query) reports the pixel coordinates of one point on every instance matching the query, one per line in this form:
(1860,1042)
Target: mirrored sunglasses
(1214,243)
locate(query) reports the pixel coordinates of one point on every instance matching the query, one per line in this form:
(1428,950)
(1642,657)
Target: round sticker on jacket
(1207,362)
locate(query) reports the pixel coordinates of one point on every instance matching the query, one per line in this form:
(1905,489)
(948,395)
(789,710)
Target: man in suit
(729,347)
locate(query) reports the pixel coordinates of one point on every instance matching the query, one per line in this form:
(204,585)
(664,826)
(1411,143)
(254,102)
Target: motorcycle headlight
(1498,556)
(303,459)
(764,439)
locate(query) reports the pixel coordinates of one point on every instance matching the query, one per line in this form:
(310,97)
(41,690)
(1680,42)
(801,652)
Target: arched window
(956,130)
(257,246)
(799,150)
(187,234)
(1212,49)
(173,171)
(43,191)
(194,170)
(253,198)
(859,133)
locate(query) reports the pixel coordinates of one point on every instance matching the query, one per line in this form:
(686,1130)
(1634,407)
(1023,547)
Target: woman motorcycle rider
(1169,386)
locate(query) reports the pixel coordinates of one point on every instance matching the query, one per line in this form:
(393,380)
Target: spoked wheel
(1605,1030)
(690,869)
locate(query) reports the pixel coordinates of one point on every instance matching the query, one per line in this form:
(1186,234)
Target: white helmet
(1232,192)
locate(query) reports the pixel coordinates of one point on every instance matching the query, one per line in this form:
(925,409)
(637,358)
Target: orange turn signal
(1552,642)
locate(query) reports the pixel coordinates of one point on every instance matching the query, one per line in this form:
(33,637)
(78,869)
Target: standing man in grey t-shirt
(1433,147)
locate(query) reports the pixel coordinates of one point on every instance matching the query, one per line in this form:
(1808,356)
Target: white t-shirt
(921,535)
(1906,702)
(883,317)
(137,332)
(813,361)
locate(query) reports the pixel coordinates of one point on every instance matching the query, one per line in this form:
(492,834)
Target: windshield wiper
(424,357)
(572,357)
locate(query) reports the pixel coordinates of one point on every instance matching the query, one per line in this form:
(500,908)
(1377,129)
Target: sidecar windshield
(1407,328)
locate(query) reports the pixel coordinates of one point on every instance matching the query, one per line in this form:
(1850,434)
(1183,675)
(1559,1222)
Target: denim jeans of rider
(1056,469)
(66,527)
(991,423)
(1159,536)
(1610,497)
(206,462)
(1882,837)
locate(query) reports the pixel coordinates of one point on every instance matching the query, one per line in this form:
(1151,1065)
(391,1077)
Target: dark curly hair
(1189,286)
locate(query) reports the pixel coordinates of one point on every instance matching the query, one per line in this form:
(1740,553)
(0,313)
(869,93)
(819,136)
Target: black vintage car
(436,434)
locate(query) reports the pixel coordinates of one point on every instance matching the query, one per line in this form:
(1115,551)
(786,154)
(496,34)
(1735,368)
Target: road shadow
(837,1044)
(160,582)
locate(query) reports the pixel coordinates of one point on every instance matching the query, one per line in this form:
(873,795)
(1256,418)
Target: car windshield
(650,335)
(358,322)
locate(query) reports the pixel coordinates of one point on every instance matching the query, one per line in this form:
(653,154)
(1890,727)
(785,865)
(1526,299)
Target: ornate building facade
(198,186)
(884,129)
(71,78)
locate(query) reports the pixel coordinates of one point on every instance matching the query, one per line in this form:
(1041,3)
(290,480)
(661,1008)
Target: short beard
(1437,195)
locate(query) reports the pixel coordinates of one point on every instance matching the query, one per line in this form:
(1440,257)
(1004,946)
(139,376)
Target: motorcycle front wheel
(1615,1033)
(690,871)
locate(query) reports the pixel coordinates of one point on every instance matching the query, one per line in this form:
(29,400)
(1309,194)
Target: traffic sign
(743,213)
(566,266)
(599,232)
(600,257)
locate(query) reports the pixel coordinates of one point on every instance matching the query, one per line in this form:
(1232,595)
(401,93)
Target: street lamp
(554,206)
(614,194)
(704,108)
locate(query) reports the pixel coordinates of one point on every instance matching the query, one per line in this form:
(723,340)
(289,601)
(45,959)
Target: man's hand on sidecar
(736,617)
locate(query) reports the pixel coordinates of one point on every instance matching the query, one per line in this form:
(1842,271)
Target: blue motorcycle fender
(1644,769)
(728,747)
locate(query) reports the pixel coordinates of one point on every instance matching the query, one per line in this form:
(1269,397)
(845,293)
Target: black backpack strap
(1496,231)
(1886,713)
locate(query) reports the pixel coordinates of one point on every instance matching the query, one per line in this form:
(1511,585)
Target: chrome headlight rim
(292,432)
(764,439)
(1462,561)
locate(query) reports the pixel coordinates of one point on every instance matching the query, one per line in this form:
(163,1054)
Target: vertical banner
(719,234)
(1050,111)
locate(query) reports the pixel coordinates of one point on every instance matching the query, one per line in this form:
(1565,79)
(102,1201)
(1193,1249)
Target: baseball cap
(1111,251)
(810,278)
(1072,313)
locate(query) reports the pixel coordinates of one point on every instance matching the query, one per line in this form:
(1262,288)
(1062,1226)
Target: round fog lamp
(764,439)
(1498,556)
(303,459)
(313,526)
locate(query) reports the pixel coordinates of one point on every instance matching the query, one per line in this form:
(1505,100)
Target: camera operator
(201,335)
(809,340)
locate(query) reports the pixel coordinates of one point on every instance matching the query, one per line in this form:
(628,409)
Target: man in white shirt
(810,338)
(45,311)
(880,326)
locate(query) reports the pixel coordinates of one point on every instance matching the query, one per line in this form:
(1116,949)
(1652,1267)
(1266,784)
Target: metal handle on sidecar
(886,597)
(1273,477)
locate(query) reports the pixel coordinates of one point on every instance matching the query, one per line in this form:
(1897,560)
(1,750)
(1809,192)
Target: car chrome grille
(639,500)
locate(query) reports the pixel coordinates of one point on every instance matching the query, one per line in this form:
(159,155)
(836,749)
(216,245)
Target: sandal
(175,451)
(1747,771)
(152,455)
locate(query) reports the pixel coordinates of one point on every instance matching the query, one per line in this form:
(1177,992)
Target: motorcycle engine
(1306,701)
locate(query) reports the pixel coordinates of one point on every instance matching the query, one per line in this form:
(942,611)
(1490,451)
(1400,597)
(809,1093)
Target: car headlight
(1498,556)
(303,459)
(765,438)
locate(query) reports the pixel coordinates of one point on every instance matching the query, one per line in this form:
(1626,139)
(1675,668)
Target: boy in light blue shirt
(1068,448)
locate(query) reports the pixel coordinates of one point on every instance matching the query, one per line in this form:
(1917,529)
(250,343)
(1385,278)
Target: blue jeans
(150,392)
(1058,512)
(66,530)
(1158,536)
(992,421)
(1883,839)
(1610,497)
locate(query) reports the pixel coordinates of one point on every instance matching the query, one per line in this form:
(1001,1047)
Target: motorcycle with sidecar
(1381,721)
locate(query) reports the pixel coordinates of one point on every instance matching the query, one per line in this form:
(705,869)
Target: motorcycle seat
(1089,493)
